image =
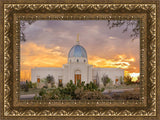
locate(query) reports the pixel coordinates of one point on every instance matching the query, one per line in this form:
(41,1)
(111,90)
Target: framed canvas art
(79,59)
(70,70)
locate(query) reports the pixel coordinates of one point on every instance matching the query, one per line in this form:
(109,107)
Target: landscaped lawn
(30,91)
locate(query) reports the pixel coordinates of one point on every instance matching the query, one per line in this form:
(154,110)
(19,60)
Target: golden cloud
(122,61)
(33,55)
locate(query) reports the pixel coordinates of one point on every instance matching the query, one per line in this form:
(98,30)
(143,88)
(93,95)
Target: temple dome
(77,51)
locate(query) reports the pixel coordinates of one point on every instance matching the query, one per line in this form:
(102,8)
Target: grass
(31,91)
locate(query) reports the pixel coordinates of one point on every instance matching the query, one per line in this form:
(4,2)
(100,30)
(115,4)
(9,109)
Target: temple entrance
(77,76)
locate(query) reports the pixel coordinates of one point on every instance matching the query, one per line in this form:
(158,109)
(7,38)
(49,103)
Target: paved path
(27,97)
(117,90)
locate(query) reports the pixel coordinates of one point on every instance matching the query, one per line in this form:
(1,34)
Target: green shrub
(55,94)
(70,88)
(128,80)
(78,92)
(105,79)
(60,85)
(42,92)
(121,80)
(30,85)
(26,89)
(72,91)
(45,87)
(50,79)
(37,97)
(102,89)
(34,85)
(88,95)
(60,94)
(22,86)
(78,83)
(91,86)
(83,83)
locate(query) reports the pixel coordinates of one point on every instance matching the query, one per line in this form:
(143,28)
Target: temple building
(77,68)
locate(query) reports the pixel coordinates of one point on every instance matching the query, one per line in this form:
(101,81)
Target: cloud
(120,61)
(33,55)
(36,55)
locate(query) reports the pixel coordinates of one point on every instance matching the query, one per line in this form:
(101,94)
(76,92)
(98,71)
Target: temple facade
(77,68)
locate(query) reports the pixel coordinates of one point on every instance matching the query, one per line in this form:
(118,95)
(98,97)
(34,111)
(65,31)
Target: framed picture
(79,59)
(66,70)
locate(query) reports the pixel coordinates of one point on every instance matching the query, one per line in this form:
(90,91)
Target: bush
(26,88)
(91,86)
(30,85)
(121,80)
(59,94)
(22,86)
(42,92)
(128,80)
(102,89)
(78,83)
(70,88)
(56,94)
(34,85)
(78,92)
(50,79)
(37,97)
(88,95)
(106,80)
(71,92)
(60,85)
(45,87)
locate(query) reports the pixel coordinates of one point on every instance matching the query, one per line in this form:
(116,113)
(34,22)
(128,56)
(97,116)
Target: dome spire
(77,39)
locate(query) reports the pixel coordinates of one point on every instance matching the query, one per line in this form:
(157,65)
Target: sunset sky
(49,41)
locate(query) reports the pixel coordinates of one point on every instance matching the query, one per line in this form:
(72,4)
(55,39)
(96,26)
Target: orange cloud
(33,55)
(121,62)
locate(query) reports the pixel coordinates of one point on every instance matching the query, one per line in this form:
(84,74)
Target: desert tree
(23,24)
(126,24)
(50,79)
(105,79)
(128,80)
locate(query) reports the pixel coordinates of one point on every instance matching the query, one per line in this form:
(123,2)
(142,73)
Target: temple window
(60,84)
(38,80)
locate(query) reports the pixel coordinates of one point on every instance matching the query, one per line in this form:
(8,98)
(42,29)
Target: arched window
(77,60)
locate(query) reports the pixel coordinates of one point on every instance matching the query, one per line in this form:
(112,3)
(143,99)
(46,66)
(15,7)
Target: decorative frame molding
(13,12)
(77,16)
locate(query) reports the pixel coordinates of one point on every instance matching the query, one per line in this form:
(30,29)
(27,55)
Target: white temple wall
(67,73)
(43,72)
(88,73)
(113,73)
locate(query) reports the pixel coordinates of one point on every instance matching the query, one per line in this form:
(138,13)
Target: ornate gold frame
(14,11)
